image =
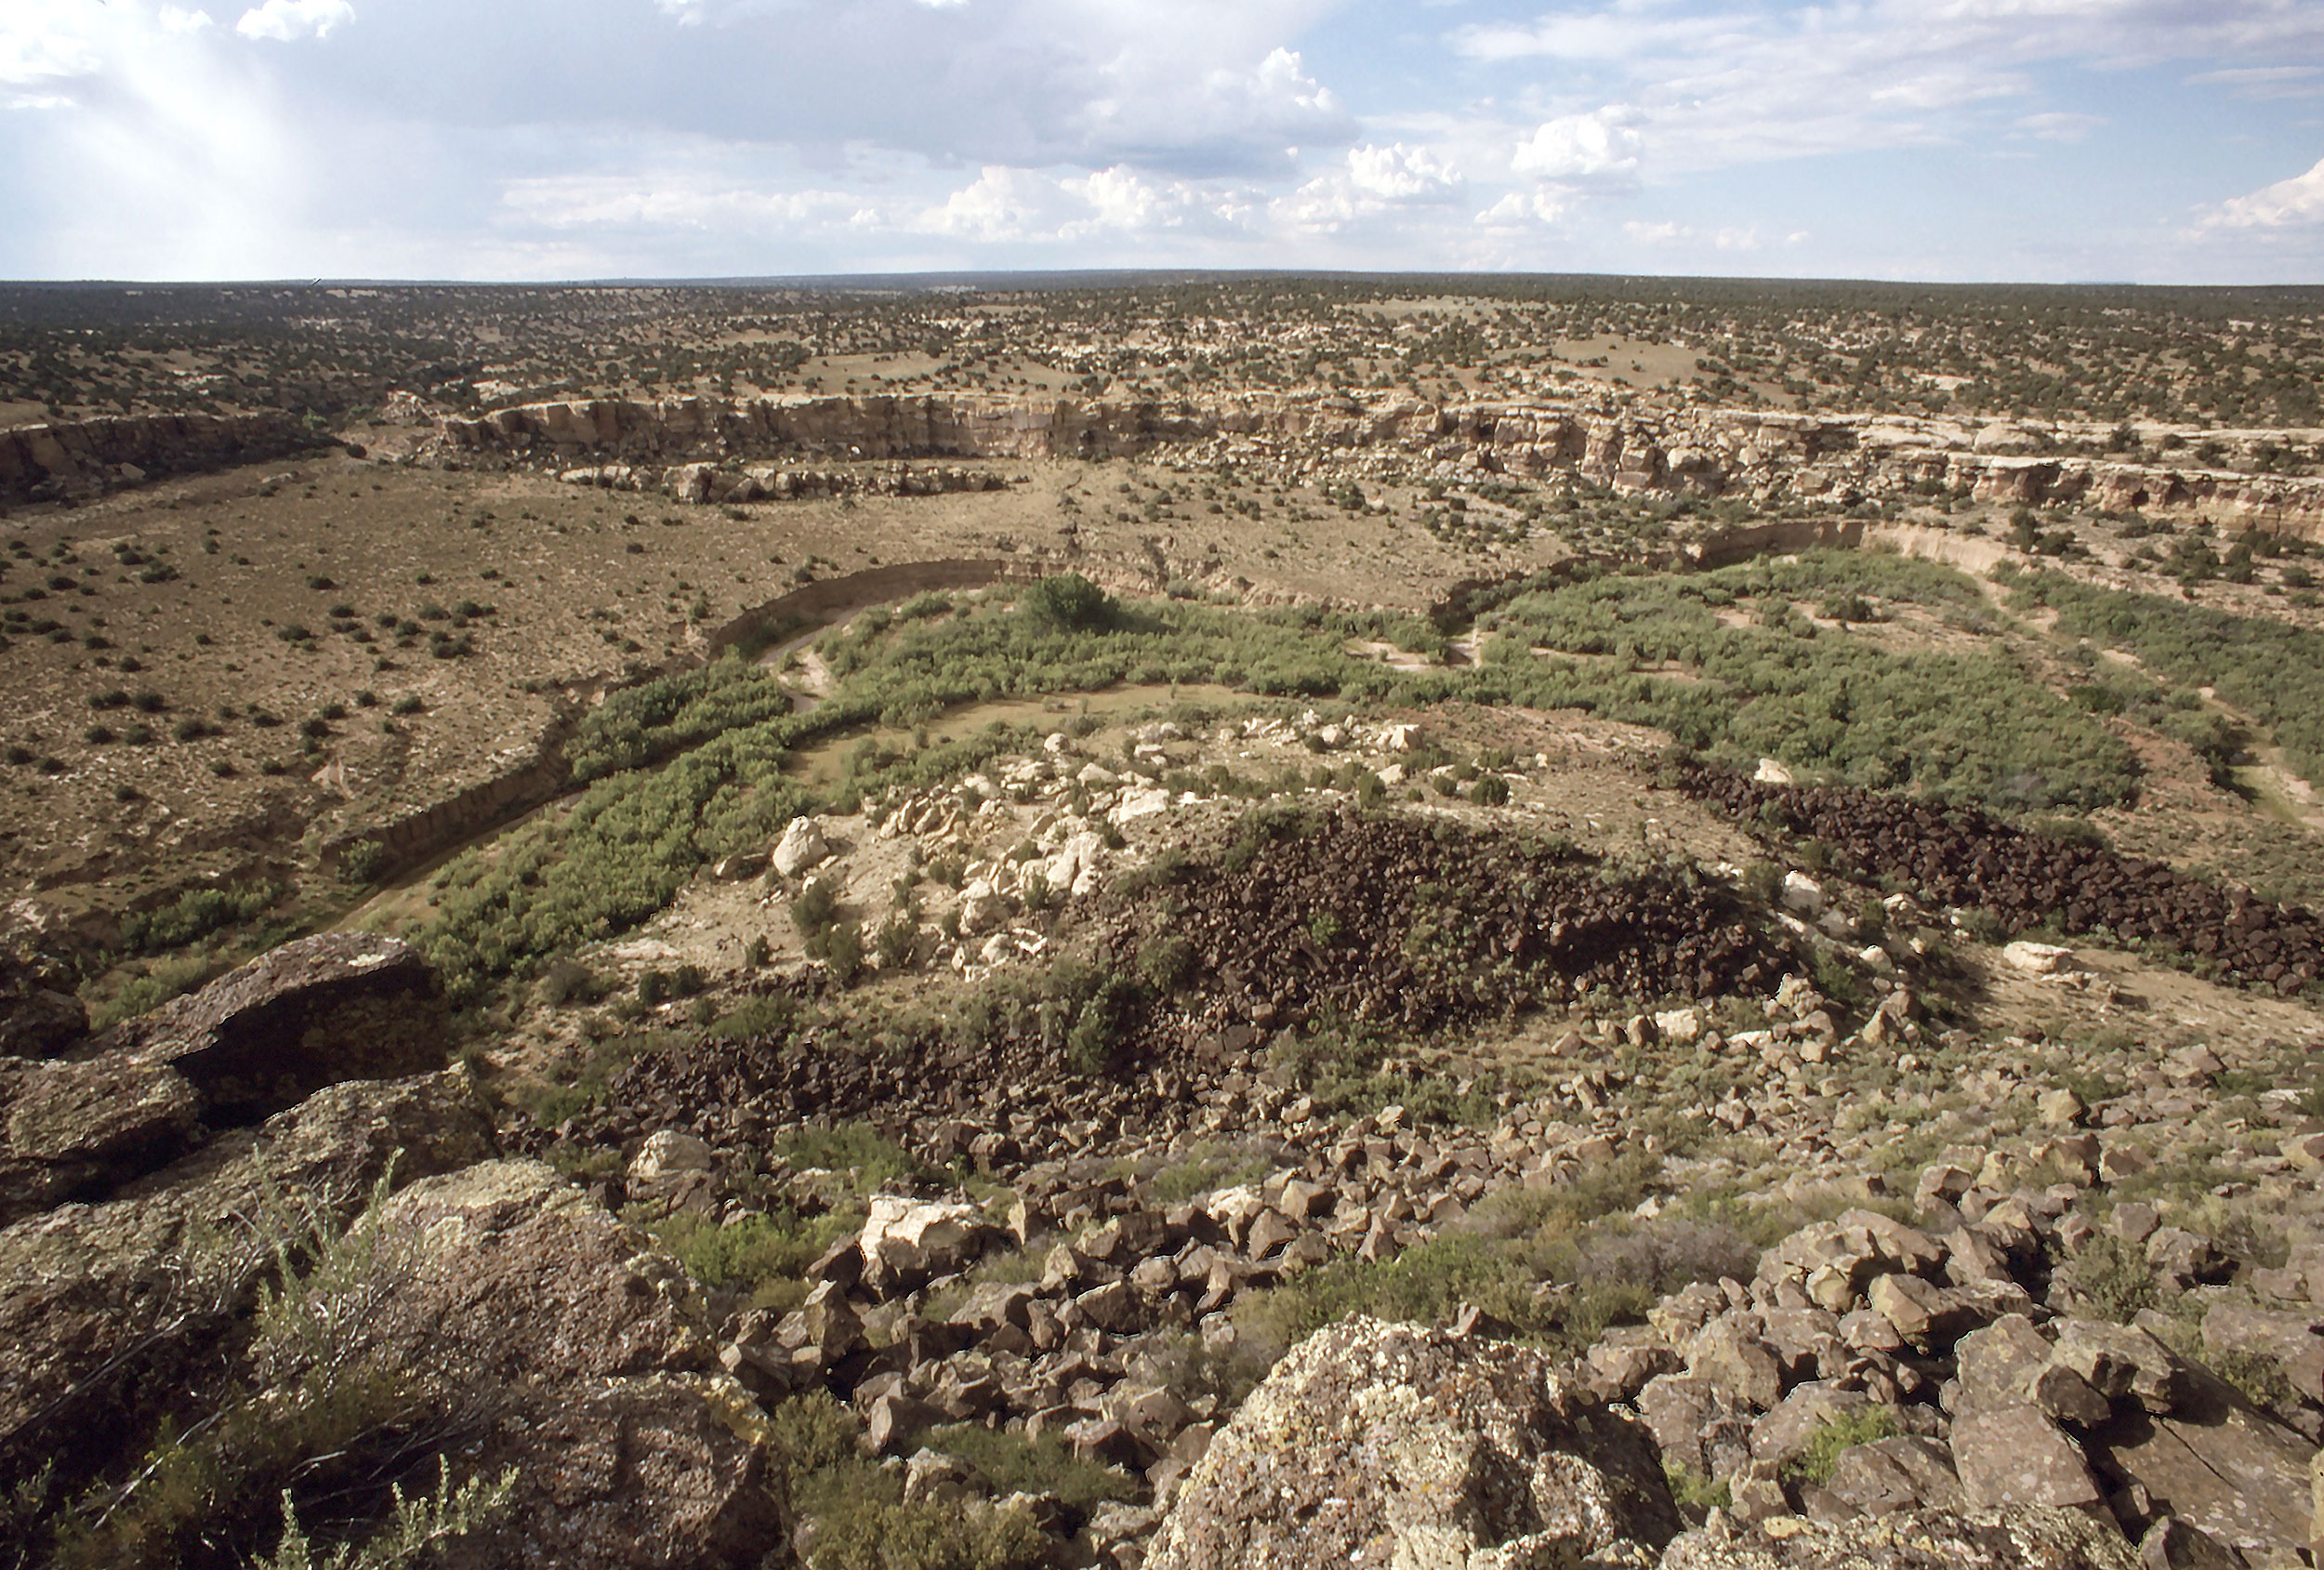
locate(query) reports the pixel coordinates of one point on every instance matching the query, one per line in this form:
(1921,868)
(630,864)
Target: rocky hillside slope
(266,1249)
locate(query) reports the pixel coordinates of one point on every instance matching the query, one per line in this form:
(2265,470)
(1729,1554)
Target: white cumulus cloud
(1397,173)
(2056,126)
(2299,200)
(1377,182)
(1600,148)
(286,20)
(1525,209)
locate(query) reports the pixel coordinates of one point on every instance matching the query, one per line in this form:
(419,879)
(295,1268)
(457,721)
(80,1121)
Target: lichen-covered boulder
(575,1354)
(103,1307)
(1374,1445)
(335,1005)
(2015,1537)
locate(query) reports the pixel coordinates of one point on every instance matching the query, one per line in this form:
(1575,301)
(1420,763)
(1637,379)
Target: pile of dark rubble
(1414,926)
(1992,1388)
(1385,922)
(1961,856)
(1067,1296)
(898,1325)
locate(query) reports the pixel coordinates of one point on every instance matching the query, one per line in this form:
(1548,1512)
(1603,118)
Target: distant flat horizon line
(1003,279)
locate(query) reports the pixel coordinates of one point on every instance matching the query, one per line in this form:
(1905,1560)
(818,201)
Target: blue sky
(2151,140)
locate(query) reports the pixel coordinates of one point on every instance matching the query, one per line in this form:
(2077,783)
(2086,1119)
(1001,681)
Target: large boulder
(2011,1454)
(577,1356)
(104,1306)
(331,1007)
(2017,1538)
(1377,1445)
(80,1129)
(907,1242)
(2220,1464)
(801,847)
(253,1043)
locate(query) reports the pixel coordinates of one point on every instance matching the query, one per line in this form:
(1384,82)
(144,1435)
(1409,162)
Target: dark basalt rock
(39,1015)
(1962,856)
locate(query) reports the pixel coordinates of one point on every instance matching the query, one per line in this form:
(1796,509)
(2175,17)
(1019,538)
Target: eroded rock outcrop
(104,1306)
(325,1008)
(577,1356)
(331,1007)
(1376,1444)
(41,462)
(1630,445)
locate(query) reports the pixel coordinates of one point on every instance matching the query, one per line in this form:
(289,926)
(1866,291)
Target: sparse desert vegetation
(963,886)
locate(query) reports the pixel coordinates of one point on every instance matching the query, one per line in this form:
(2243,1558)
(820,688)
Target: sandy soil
(581,584)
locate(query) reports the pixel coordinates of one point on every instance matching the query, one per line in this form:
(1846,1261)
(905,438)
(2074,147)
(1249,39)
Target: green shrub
(762,1257)
(852,1147)
(754,1018)
(1067,601)
(196,914)
(1167,963)
(363,860)
(1697,1496)
(895,940)
(415,1527)
(164,980)
(1012,1463)
(1838,1433)
(1100,1026)
(815,908)
(2113,1277)
(842,944)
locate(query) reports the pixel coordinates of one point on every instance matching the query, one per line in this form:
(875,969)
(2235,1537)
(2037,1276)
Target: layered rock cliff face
(1759,455)
(47,462)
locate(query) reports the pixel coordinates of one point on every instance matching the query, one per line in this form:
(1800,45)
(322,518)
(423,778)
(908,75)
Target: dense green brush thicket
(1759,678)
(690,768)
(2271,671)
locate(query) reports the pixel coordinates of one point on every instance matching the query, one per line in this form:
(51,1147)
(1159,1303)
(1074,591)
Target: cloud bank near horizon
(2155,140)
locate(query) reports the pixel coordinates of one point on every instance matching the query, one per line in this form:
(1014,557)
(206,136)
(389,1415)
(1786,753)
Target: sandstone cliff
(1762,456)
(45,462)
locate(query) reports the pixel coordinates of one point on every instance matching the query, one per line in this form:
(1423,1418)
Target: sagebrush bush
(2113,1278)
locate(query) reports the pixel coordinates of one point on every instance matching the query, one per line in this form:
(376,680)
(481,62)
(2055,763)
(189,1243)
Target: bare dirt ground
(552,589)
